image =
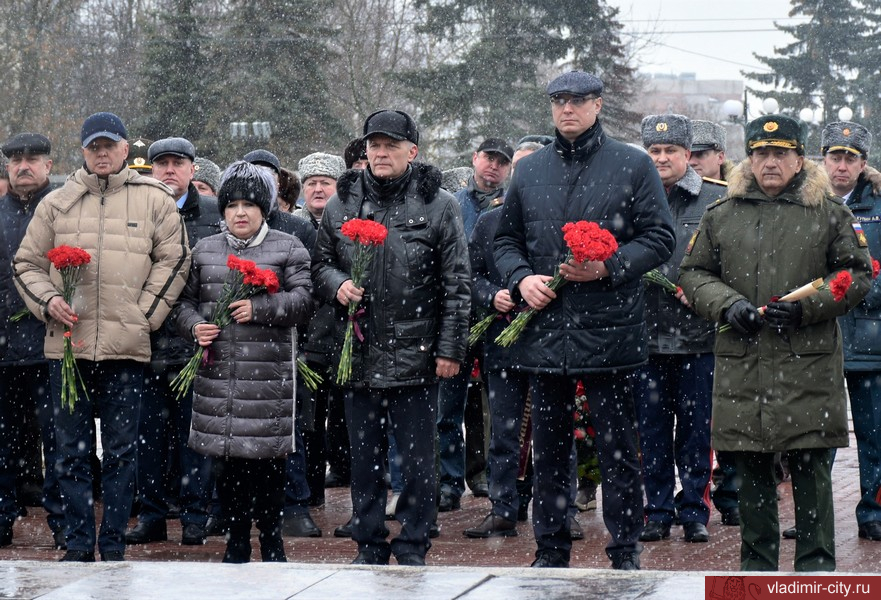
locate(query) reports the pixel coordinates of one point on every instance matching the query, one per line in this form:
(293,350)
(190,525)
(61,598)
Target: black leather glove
(783,315)
(744,317)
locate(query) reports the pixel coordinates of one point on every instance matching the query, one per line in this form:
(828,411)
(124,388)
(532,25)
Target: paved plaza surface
(458,567)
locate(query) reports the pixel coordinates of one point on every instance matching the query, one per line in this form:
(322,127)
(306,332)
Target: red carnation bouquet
(243,281)
(587,241)
(367,235)
(838,285)
(69,261)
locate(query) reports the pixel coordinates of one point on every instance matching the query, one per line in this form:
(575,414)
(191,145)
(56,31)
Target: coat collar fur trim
(427,178)
(812,191)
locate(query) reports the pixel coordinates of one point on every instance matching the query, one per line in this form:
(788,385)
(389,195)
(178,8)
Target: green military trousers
(811,472)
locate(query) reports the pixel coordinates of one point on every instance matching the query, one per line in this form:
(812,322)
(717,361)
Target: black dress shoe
(695,532)
(493,526)
(369,558)
(448,502)
(790,534)
(345,531)
(147,531)
(731,517)
(575,531)
(434,530)
(215,526)
(655,531)
(193,535)
(629,561)
(548,559)
(871,530)
(480,489)
(78,556)
(411,559)
(59,539)
(300,526)
(113,556)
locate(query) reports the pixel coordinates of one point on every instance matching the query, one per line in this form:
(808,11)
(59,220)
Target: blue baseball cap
(103,124)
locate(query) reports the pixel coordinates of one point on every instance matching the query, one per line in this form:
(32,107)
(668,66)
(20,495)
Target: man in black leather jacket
(415,301)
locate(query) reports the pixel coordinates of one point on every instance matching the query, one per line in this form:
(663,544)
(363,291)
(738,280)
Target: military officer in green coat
(779,381)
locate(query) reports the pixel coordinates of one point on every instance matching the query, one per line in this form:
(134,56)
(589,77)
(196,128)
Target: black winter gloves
(783,315)
(745,318)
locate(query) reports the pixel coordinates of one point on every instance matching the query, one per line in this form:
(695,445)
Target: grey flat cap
(577,83)
(176,146)
(667,129)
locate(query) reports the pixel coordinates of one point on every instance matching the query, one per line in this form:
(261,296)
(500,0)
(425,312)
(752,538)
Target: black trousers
(252,490)
(610,398)
(412,411)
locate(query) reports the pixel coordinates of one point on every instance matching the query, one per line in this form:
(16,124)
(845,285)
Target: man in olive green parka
(779,382)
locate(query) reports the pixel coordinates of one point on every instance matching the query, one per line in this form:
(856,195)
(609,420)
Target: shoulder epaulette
(835,199)
(716,181)
(718,202)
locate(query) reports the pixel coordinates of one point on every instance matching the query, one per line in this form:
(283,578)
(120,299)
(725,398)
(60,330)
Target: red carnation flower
(270,281)
(365,231)
(63,257)
(588,241)
(876,268)
(840,284)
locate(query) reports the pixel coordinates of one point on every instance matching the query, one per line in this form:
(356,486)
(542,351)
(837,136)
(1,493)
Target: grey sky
(715,40)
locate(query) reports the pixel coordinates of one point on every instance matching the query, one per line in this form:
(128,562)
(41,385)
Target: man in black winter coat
(24,372)
(593,328)
(164,421)
(415,303)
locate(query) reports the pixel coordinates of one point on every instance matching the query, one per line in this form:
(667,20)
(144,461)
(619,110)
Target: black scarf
(385,192)
(484,199)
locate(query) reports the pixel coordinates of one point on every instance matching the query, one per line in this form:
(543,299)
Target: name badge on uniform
(862,242)
(691,242)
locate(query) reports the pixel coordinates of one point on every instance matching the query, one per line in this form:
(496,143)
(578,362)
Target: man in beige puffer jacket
(130,226)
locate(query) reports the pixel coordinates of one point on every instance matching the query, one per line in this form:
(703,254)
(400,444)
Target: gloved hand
(744,317)
(783,315)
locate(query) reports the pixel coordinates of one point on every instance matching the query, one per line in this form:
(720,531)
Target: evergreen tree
(177,93)
(817,68)
(866,86)
(272,63)
(510,49)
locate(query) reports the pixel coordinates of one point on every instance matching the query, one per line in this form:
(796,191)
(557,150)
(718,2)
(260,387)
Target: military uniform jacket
(861,327)
(777,391)
(673,327)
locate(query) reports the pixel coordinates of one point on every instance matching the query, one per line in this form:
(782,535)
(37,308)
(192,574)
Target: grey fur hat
(320,163)
(708,136)
(667,129)
(207,172)
(456,179)
(846,136)
(245,181)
